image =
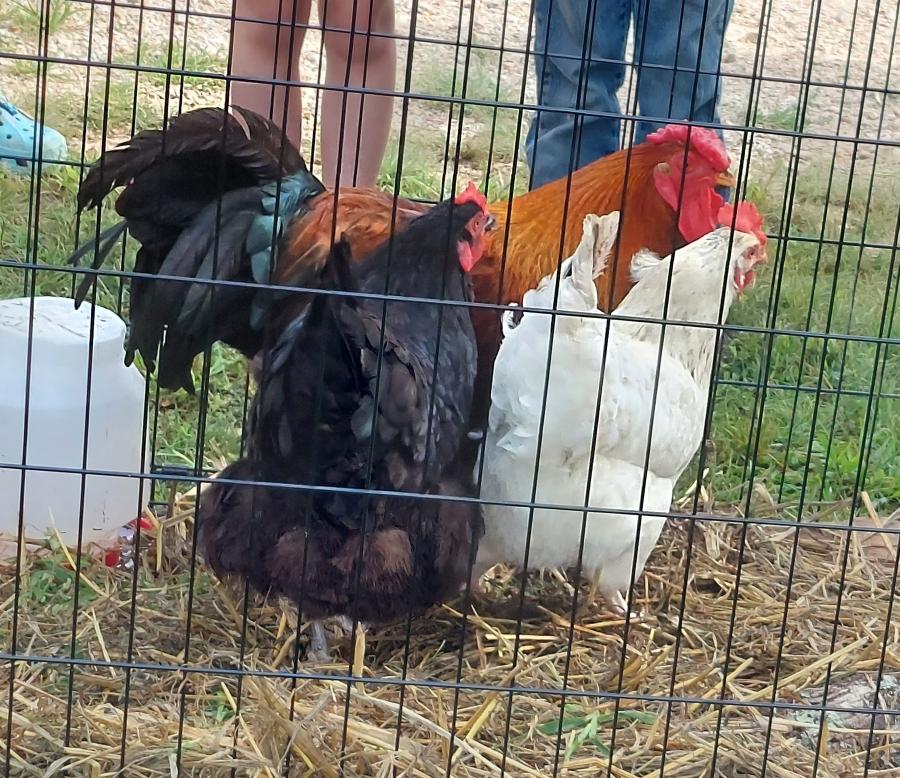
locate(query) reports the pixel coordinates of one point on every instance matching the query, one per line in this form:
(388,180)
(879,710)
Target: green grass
(116,99)
(489,134)
(218,708)
(421,173)
(591,729)
(28,16)
(423,169)
(126,98)
(49,584)
(779,119)
(442,77)
(811,442)
(179,60)
(123,100)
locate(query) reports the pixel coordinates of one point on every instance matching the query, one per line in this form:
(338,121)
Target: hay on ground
(184,703)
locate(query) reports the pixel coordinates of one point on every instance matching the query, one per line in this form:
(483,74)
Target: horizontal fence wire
(760,637)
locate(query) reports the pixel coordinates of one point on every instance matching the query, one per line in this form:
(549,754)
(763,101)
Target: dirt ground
(842,51)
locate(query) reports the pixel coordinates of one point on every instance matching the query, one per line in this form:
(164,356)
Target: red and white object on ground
(121,553)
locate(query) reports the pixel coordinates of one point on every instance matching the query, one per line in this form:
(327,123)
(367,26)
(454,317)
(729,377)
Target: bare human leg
(355,127)
(269,48)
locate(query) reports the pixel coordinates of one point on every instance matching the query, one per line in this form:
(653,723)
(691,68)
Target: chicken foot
(318,642)
(620,606)
(317,650)
(614,598)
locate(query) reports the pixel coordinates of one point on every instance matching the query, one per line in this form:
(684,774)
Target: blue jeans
(676,35)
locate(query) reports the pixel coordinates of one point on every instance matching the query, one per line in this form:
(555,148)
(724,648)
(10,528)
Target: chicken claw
(345,623)
(620,606)
(318,642)
(477,588)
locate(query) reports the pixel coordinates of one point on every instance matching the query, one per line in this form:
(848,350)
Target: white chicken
(602,459)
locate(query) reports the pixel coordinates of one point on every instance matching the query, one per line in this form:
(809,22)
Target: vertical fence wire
(836,325)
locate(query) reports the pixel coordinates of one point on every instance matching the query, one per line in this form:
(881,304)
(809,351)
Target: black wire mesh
(768,644)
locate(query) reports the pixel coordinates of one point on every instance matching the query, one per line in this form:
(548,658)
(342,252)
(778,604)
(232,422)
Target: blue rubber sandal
(20,144)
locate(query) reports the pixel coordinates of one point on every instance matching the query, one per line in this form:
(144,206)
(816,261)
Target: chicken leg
(318,642)
(619,605)
(613,596)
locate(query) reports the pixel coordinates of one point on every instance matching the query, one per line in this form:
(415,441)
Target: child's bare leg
(372,63)
(267,51)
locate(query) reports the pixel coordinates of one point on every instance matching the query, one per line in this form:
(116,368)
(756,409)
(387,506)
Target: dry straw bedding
(730,618)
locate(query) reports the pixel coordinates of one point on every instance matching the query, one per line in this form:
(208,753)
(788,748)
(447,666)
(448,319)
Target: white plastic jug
(56,409)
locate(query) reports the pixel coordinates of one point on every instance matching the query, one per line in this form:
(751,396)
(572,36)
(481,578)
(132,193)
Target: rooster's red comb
(747,219)
(702,139)
(471,194)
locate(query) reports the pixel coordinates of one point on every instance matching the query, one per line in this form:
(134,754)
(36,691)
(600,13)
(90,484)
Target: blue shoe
(20,143)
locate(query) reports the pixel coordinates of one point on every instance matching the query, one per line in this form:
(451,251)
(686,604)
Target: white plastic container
(57,404)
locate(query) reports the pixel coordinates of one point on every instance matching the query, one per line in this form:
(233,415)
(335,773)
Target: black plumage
(204,198)
(362,394)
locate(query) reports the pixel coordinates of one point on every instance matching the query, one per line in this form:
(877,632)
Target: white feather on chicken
(620,433)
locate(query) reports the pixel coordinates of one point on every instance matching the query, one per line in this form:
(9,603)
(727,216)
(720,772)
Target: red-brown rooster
(363,394)
(225,196)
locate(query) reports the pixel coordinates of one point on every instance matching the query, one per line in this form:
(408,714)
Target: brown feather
(537,219)
(364,217)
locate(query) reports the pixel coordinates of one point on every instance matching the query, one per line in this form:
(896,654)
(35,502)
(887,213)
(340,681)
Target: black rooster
(357,393)
(209,198)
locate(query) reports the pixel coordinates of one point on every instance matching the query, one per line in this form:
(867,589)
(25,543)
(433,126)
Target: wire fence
(763,639)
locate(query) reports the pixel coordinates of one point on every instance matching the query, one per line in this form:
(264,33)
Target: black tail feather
(257,147)
(191,195)
(102,245)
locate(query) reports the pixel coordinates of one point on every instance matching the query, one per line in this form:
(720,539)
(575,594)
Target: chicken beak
(726,179)
(490,223)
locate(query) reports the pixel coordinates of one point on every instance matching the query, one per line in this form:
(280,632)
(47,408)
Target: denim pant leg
(559,43)
(688,33)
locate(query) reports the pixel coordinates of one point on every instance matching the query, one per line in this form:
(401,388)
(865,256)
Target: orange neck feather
(534,223)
